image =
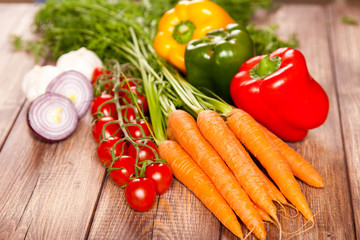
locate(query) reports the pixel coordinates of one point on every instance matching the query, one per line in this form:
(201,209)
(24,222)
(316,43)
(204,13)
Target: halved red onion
(52,117)
(75,86)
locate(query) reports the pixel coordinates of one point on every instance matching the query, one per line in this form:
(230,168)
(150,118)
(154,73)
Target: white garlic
(37,79)
(81,60)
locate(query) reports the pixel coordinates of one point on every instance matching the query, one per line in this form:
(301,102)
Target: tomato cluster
(125,146)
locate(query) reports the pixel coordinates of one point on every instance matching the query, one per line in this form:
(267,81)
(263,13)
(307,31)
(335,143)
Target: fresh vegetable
(122,170)
(81,60)
(301,168)
(37,79)
(98,72)
(135,47)
(73,85)
(264,216)
(256,141)
(186,170)
(186,21)
(133,95)
(129,167)
(103,106)
(186,132)
(272,190)
(161,175)
(147,150)
(140,194)
(212,61)
(215,131)
(279,92)
(109,147)
(104,128)
(128,114)
(138,130)
(52,117)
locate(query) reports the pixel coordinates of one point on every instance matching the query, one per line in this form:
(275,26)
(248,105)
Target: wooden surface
(61,191)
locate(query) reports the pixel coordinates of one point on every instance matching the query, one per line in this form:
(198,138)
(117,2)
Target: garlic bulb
(81,60)
(37,79)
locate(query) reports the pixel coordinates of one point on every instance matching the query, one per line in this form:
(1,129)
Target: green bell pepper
(213,60)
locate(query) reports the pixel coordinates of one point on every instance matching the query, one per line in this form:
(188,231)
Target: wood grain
(346,54)
(49,191)
(17,20)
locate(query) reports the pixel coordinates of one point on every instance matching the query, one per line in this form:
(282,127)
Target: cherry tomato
(105,147)
(135,130)
(122,176)
(111,130)
(145,153)
(140,194)
(96,73)
(125,97)
(161,175)
(99,72)
(128,114)
(108,110)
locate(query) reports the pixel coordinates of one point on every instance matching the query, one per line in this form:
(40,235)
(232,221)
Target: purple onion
(75,86)
(52,117)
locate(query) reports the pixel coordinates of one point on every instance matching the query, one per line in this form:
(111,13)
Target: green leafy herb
(349,20)
(100,25)
(243,10)
(266,40)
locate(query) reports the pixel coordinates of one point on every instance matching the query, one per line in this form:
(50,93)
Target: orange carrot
(170,134)
(192,176)
(223,140)
(264,216)
(259,144)
(186,132)
(301,168)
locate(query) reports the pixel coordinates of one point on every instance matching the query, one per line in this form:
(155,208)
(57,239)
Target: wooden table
(61,191)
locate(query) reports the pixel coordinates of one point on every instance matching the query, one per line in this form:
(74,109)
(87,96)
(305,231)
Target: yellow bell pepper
(188,20)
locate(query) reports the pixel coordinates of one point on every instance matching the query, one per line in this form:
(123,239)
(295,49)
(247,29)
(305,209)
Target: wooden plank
(15,19)
(346,54)
(55,187)
(49,191)
(323,146)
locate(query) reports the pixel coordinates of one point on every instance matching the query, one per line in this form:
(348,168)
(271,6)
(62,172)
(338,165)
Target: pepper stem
(183,32)
(265,67)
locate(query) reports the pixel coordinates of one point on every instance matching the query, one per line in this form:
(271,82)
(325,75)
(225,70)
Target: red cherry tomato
(108,110)
(135,130)
(111,130)
(161,175)
(96,73)
(125,97)
(140,194)
(145,153)
(105,147)
(128,114)
(99,72)
(122,176)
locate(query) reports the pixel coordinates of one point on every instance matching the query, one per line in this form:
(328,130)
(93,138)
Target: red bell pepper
(279,92)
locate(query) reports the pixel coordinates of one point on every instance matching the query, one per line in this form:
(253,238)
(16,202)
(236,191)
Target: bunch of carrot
(208,156)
